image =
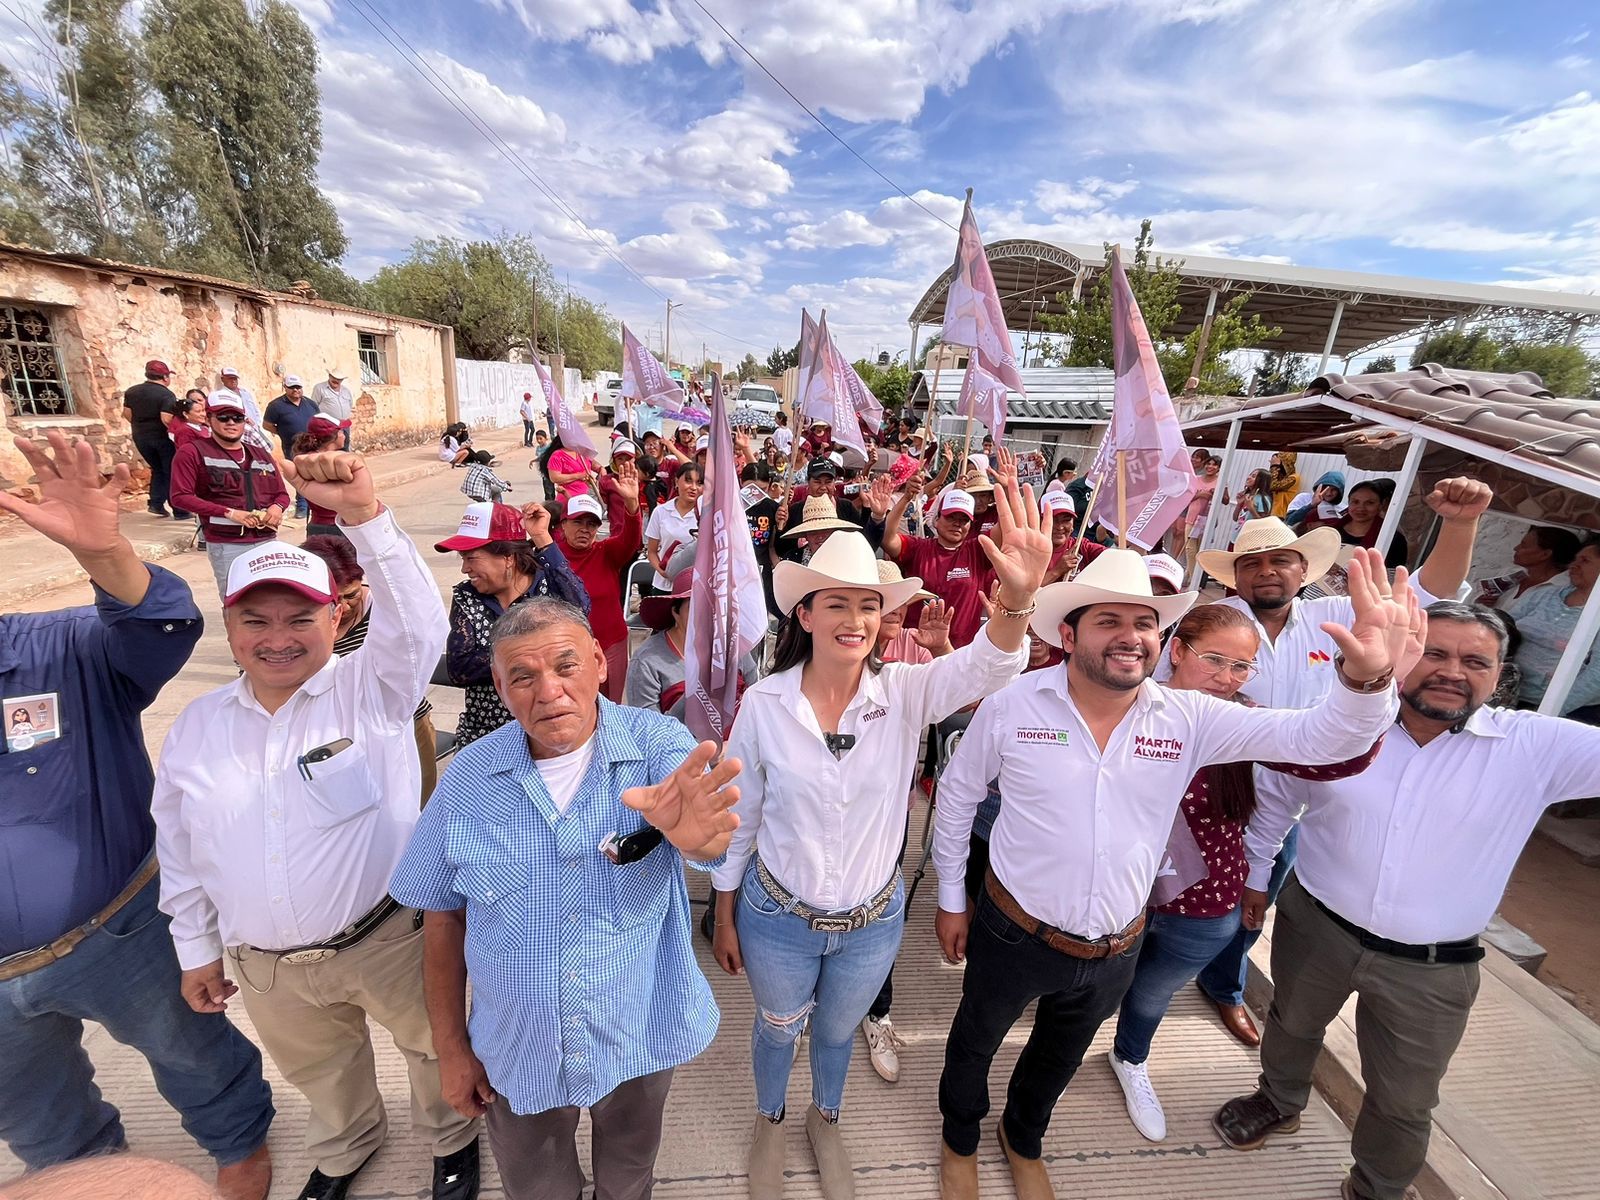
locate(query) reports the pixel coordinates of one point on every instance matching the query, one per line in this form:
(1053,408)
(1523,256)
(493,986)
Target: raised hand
(1377,638)
(1023,551)
(692,806)
(1004,467)
(335,479)
(933,627)
(78,507)
(1459,499)
(536,521)
(879,495)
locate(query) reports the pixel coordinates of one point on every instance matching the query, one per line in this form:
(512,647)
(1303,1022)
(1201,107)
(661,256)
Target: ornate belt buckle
(316,954)
(832,924)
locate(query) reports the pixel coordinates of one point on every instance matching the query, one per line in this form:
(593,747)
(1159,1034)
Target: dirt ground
(1554,899)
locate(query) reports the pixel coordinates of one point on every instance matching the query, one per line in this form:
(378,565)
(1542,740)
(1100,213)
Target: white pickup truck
(763,399)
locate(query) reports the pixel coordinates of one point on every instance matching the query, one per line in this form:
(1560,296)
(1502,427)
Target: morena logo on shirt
(874,714)
(1160,749)
(1318,658)
(1047,737)
(957,573)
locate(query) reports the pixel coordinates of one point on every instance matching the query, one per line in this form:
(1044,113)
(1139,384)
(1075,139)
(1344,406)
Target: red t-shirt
(599,567)
(955,576)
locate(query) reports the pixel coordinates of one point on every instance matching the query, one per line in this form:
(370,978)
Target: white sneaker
(1144,1107)
(883,1044)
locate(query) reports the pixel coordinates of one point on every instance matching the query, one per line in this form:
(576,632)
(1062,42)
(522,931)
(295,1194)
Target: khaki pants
(426,754)
(1410,1017)
(312,1022)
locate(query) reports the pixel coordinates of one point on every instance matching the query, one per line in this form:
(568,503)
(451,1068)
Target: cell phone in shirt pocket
(339,782)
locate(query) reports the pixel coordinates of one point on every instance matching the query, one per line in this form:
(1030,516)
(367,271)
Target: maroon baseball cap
(483,523)
(155,368)
(656,611)
(323,426)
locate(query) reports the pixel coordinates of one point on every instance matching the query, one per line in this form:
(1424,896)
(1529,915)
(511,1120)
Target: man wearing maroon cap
(283,802)
(232,483)
(951,565)
(599,562)
(149,408)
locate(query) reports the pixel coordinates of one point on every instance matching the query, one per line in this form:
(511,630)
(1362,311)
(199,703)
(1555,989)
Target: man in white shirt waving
(1071,864)
(283,802)
(1400,869)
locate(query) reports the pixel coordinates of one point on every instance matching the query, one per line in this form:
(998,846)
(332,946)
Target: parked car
(763,399)
(605,408)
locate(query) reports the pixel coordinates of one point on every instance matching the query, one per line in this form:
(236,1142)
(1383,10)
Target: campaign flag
(1144,429)
(1182,865)
(861,398)
(972,313)
(827,392)
(727,606)
(983,396)
(808,338)
(567,426)
(646,381)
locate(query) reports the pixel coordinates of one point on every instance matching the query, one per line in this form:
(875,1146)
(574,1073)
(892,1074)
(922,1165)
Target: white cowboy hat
(1116,577)
(845,561)
(819,514)
(1319,547)
(889,572)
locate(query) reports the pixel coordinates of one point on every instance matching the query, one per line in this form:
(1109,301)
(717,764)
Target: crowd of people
(1141,776)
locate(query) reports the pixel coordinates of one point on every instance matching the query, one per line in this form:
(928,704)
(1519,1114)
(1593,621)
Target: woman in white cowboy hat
(828,743)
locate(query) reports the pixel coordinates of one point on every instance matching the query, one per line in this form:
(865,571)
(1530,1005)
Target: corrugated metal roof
(1055,395)
(266,295)
(1505,418)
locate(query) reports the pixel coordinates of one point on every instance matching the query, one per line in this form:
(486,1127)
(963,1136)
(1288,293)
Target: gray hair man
(549,864)
(1400,869)
(284,800)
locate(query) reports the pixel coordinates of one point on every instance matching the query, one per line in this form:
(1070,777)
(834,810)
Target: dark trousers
(1410,1017)
(1007,970)
(527,432)
(124,977)
(1223,978)
(538,1156)
(157,450)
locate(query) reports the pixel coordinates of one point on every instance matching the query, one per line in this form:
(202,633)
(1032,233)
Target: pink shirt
(567,462)
(903,648)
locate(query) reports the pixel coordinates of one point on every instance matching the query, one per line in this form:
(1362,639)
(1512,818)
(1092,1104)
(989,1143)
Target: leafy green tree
(890,384)
(780,360)
(1467,349)
(590,337)
(1281,373)
(1566,370)
(1086,324)
(1384,362)
(927,347)
(748,369)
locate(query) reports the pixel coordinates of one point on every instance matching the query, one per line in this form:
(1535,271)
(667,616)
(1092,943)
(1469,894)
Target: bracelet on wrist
(1016,614)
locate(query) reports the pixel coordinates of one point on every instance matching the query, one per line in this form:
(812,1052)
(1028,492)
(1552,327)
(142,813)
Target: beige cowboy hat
(888,572)
(1319,547)
(975,482)
(1116,577)
(819,514)
(845,561)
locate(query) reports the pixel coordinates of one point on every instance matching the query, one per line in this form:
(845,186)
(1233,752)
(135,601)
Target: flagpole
(1122,499)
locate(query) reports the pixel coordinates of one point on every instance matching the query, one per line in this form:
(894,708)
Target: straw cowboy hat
(976,482)
(819,514)
(1319,547)
(1116,577)
(845,561)
(888,572)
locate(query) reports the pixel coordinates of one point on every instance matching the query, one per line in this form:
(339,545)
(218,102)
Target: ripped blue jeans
(796,973)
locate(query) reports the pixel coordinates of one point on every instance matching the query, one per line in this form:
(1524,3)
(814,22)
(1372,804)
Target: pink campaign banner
(568,428)
(727,606)
(645,381)
(972,313)
(983,396)
(1159,478)
(861,398)
(827,392)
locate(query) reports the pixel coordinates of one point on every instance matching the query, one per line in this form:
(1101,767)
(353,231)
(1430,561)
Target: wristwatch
(1381,683)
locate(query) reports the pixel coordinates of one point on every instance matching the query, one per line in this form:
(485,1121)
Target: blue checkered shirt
(583,972)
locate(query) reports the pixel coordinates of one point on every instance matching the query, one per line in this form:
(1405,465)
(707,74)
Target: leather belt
(27,961)
(349,936)
(1058,939)
(844,921)
(1467,950)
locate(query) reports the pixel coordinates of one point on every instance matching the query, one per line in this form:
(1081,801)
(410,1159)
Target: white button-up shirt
(335,402)
(251,852)
(1081,832)
(829,829)
(1418,847)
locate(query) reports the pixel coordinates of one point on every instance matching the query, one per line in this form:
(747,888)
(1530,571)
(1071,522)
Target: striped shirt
(583,973)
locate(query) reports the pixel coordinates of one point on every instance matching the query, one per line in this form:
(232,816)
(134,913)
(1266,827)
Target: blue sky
(1458,139)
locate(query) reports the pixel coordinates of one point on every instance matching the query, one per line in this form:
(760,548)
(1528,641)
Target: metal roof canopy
(1057,396)
(1302,301)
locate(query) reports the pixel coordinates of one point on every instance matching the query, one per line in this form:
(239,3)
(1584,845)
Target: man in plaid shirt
(482,484)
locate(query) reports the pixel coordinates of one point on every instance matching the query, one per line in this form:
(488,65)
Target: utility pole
(666,337)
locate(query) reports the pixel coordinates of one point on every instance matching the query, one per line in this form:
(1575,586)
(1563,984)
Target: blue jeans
(124,976)
(1175,948)
(795,973)
(1223,979)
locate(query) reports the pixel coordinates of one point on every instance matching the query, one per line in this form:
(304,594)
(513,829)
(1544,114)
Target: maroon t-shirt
(956,576)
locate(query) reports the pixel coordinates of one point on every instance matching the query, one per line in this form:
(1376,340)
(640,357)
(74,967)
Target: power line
(464,108)
(825,126)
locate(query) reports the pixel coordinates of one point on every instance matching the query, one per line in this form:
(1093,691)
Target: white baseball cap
(1052,503)
(684,427)
(224,398)
(978,462)
(277,562)
(290,381)
(227,371)
(584,504)
(624,446)
(837,459)
(955,500)
(702,443)
(1164,566)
